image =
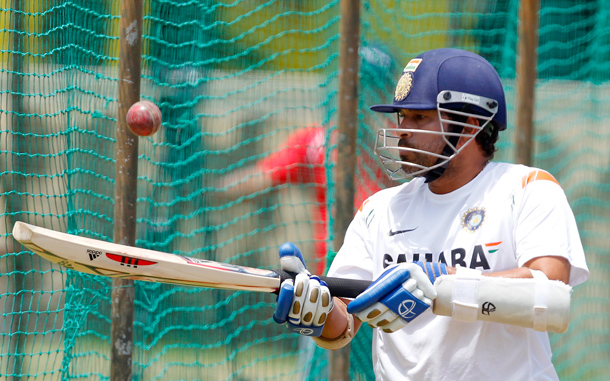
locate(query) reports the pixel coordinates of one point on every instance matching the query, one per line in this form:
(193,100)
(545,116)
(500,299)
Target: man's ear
(473,121)
(468,130)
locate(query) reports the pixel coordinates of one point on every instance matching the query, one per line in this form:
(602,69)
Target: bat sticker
(128,261)
(93,254)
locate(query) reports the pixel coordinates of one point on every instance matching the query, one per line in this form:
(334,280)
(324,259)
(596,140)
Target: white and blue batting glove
(399,295)
(433,270)
(303,304)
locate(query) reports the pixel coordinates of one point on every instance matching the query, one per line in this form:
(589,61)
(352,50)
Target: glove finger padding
(301,287)
(311,305)
(317,303)
(376,315)
(312,302)
(379,316)
(402,293)
(324,304)
(394,326)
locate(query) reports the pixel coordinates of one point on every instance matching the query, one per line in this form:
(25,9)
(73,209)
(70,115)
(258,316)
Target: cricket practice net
(237,82)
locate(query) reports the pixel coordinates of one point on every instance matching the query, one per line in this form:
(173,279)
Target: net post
(526,79)
(349,31)
(17,338)
(123,290)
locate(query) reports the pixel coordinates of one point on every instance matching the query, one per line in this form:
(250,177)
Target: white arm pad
(465,294)
(539,303)
(540,318)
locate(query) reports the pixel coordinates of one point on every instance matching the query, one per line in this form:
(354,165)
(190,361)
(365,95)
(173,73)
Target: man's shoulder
(504,168)
(519,175)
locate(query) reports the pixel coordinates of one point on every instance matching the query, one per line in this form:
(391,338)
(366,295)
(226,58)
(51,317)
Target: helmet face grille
(391,152)
(448,70)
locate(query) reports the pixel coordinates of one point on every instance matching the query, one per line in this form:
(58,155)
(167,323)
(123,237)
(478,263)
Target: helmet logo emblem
(403,87)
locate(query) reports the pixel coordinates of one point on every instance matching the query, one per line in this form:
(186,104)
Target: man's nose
(403,139)
(404,135)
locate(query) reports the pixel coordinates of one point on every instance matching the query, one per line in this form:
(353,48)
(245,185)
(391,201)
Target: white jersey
(506,216)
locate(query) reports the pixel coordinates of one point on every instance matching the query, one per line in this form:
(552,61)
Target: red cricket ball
(144,118)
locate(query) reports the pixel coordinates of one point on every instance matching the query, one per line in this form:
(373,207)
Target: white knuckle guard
(325,305)
(541,304)
(410,285)
(423,282)
(312,302)
(419,294)
(301,289)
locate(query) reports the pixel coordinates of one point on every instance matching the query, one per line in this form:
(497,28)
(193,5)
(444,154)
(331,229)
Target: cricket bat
(541,305)
(109,259)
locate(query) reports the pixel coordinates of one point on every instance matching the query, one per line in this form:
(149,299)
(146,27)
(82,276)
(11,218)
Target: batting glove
(303,304)
(433,269)
(399,295)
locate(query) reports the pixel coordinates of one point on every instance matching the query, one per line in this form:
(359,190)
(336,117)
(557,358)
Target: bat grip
(339,287)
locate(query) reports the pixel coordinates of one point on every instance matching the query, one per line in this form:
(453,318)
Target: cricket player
(461,215)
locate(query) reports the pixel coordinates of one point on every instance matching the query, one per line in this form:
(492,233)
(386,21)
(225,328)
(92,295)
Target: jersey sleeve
(354,259)
(546,225)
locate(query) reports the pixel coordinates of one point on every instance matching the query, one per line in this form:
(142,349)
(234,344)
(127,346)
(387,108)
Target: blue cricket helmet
(435,71)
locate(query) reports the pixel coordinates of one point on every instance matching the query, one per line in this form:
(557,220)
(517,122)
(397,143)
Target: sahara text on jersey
(477,257)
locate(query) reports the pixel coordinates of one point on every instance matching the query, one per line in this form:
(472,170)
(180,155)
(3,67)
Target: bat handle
(339,287)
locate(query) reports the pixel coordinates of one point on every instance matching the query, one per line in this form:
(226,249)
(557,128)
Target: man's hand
(304,304)
(398,296)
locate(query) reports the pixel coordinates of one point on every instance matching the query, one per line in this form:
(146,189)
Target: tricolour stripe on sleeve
(363,204)
(537,175)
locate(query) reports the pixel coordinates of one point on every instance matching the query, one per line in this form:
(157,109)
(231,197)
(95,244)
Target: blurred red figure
(300,160)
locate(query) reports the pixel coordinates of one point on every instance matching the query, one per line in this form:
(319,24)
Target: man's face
(419,120)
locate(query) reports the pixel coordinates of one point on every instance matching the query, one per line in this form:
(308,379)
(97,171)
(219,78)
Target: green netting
(234,81)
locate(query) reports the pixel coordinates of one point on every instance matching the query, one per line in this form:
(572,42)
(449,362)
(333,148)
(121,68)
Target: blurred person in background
(300,158)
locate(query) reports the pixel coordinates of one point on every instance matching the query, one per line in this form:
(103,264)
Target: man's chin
(413,171)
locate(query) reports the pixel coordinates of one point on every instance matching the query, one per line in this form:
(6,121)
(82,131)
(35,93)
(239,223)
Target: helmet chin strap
(447,151)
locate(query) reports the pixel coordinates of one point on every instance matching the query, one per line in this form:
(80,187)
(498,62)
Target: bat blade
(98,257)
